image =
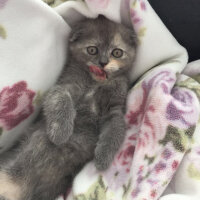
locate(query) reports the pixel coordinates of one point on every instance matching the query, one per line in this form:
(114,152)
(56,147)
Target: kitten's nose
(103,61)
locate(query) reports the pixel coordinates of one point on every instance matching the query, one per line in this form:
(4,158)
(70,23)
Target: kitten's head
(104,48)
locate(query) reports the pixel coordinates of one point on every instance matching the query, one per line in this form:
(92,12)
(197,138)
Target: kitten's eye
(92,50)
(117,53)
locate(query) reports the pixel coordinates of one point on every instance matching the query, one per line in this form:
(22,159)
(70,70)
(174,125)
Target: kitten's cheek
(112,66)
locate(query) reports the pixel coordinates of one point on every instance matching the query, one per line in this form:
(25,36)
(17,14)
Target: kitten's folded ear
(133,38)
(76,33)
(130,36)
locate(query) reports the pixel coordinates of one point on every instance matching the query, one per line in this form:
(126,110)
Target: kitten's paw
(103,157)
(60,124)
(60,133)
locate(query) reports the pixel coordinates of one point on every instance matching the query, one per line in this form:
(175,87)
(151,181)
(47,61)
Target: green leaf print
(196,78)
(192,84)
(179,137)
(2,32)
(38,98)
(126,189)
(149,159)
(193,172)
(97,191)
(165,183)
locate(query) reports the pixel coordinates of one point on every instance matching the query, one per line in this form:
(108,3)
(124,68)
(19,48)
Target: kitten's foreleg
(59,111)
(111,137)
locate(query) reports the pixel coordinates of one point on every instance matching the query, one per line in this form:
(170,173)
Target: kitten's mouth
(98,72)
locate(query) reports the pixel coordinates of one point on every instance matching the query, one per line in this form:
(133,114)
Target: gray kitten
(83,115)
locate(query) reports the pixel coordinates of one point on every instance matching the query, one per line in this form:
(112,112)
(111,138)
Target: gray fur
(83,118)
(3,198)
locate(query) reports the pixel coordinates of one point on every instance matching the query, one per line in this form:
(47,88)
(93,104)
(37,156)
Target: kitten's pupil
(117,53)
(92,50)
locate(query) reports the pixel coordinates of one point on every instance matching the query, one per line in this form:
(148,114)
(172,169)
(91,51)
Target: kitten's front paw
(103,157)
(59,132)
(60,124)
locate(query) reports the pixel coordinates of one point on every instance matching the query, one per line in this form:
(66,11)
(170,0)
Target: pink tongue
(97,71)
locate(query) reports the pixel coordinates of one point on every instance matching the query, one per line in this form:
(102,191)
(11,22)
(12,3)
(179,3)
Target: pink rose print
(15,104)
(175,164)
(166,154)
(118,173)
(153,193)
(135,192)
(98,3)
(3,3)
(160,167)
(143,5)
(181,110)
(136,19)
(146,112)
(125,157)
(135,13)
(159,80)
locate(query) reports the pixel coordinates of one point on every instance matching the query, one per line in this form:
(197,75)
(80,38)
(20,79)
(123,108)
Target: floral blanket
(162,138)
(160,156)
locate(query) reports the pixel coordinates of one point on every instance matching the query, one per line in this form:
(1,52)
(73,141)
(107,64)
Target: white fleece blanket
(161,154)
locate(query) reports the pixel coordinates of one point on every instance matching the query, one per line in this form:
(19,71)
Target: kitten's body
(83,120)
